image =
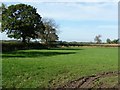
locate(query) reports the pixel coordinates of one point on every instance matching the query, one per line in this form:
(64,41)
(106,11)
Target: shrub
(10,46)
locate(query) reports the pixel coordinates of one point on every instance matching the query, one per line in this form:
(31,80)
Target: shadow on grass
(65,49)
(33,54)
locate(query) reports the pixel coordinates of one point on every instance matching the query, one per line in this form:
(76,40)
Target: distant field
(51,68)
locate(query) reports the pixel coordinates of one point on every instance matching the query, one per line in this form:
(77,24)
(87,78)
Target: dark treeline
(115,41)
(18,45)
(65,43)
(12,46)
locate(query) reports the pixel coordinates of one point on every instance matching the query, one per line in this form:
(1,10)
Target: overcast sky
(78,20)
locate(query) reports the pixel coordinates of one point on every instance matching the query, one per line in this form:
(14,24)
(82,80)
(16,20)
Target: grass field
(51,68)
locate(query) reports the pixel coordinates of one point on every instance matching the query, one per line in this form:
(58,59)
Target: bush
(10,46)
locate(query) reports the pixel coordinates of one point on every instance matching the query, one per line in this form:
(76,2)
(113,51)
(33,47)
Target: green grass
(106,82)
(51,68)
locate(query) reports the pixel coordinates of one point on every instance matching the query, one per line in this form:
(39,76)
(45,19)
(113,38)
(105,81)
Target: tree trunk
(23,39)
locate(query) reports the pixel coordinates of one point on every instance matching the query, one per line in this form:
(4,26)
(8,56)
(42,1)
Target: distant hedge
(68,44)
(21,46)
(11,46)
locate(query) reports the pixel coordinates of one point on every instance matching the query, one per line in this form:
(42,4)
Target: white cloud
(79,11)
(84,10)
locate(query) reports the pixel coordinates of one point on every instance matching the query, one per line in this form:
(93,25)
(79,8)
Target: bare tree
(50,32)
(97,39)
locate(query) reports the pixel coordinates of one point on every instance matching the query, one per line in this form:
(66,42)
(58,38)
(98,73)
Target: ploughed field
(75,67)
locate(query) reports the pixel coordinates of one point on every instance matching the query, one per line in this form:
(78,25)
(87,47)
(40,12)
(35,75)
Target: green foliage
(50,34)
(51,68)
(2,8)
(115,41)
(104,82)
(12,46)
(108,41)
(21,21)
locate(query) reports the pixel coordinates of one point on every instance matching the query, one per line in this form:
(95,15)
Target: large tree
(21,21)
(50,33)
(2,8)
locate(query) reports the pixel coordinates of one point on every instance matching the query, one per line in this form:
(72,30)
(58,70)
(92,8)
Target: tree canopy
(22,21)
(50,33)
(115,41)
(108,41)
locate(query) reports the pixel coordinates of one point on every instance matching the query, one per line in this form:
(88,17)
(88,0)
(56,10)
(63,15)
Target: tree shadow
(65,49)
(33,54)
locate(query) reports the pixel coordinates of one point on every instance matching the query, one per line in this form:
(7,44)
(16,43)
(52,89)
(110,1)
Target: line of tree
(21,21)
(115,41)
(74,43)
(98,40)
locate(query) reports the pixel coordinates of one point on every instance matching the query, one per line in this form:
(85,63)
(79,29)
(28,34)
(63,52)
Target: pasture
(55,67)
